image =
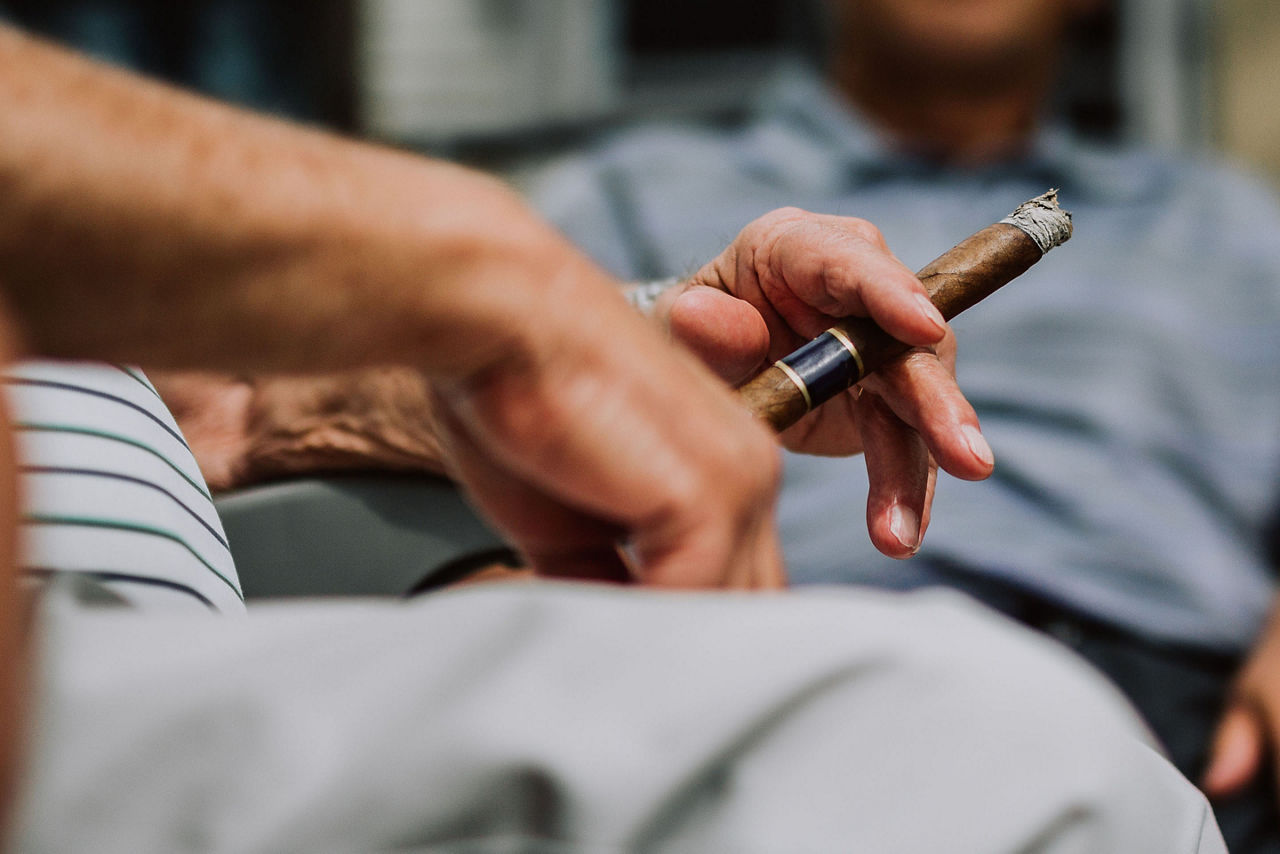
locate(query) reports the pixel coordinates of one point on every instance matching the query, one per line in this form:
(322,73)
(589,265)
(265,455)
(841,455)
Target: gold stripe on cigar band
(839,335)
(799,382)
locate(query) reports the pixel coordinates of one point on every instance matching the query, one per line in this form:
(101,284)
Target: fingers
(863,279)
(800,271)
(1236,752)
(901,477)
(921,390)
(554,540)
(714,530)
(726,333)
(812,268)
(754,555)
(615,426)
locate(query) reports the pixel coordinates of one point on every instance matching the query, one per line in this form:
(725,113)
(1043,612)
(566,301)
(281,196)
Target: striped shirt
(110,489)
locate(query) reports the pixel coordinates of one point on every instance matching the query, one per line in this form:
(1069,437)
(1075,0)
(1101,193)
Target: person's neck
(954,119)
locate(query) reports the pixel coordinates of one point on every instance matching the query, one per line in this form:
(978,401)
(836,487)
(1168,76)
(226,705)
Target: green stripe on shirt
(100,434)
(116,525)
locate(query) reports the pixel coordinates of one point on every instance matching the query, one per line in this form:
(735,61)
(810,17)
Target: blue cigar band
(824,367)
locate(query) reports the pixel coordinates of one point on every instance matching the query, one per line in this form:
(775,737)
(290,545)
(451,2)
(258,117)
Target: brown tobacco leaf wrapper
(855,347)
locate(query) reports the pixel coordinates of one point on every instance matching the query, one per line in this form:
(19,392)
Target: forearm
(247,430)
(177,208)
(379,419)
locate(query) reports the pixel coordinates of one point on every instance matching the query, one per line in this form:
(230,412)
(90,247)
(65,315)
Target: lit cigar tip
(1043,221)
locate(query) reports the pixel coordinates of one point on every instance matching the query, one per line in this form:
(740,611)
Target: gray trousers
(557,718)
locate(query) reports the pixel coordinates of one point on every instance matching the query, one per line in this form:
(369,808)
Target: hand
(593,430)
(702,518)
(1250,726)
(782,282)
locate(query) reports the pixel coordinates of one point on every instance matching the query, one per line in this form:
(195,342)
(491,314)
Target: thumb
(1236,752)
(726,333)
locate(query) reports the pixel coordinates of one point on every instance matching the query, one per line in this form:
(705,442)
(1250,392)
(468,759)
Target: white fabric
(553,718)
(111,490)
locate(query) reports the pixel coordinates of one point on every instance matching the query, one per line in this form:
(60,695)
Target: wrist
(447,264)
(514,286)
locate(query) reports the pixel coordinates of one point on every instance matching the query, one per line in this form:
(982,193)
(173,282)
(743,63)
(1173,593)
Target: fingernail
(904,524)
(930,312)
(977,445)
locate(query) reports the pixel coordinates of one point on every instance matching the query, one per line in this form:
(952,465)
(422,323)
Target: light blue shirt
(1129,383)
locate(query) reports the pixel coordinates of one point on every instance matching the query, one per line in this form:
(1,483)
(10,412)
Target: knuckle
(790,213)
(866,230)
(777,225)
(920,359)
(771,223)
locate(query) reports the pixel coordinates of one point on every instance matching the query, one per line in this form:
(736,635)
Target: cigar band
(826,366)
(848,345)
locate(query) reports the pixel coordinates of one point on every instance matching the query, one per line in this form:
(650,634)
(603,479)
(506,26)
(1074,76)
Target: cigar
(854,347)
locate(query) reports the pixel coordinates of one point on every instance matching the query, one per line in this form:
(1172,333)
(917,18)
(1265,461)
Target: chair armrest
(350,535)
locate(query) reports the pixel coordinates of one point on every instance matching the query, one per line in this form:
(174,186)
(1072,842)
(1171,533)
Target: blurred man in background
(1128,385)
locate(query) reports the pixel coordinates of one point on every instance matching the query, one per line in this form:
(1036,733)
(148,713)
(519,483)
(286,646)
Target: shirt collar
(828,141)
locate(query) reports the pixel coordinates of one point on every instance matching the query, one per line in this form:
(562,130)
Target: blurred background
(500,83)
